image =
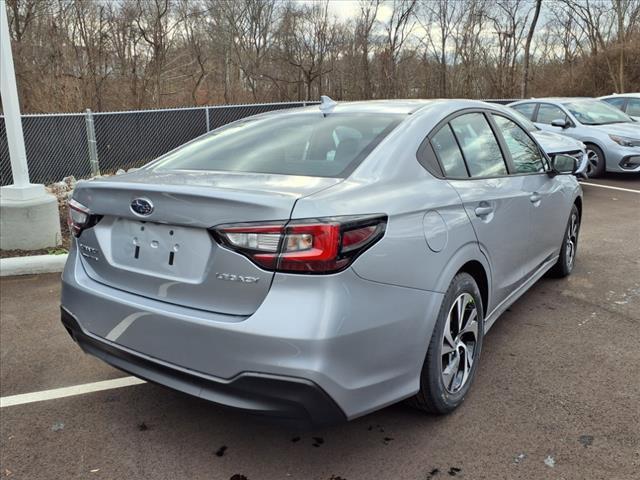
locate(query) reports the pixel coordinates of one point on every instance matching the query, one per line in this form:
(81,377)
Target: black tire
(433,396)
(595,168)
(567,259)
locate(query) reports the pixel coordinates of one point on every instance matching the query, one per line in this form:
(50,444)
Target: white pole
(29,216)
(11,106)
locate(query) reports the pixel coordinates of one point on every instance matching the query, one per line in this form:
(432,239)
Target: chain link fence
(85,144)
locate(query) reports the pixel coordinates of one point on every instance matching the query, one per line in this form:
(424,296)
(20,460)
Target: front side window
(479,145)
(526,109)
(549,113)
(633,107)
(447,150)
(594,112)
(524,152)
(291,144)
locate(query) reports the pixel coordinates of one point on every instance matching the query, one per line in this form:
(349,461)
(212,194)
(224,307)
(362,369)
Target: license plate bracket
(159,249)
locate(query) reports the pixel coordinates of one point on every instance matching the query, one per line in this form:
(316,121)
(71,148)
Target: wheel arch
(578,203)
(469,259)
(479,274)
(595,143)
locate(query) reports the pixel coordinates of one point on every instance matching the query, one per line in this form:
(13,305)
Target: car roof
(553,100)
(621,95)
(408,106)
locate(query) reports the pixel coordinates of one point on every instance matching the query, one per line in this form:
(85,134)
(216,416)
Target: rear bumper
(361,343)
(292,400)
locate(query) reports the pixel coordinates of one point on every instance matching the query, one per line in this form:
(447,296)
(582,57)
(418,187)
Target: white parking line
(610,187)
(68,391)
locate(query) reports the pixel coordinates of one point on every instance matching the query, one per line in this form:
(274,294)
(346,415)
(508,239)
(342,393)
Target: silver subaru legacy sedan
(319,264)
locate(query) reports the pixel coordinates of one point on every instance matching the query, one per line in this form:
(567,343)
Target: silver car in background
(319,264)
(612,137)
(629,103)
(555,144)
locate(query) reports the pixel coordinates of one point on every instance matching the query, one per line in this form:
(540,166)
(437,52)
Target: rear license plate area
(160,250)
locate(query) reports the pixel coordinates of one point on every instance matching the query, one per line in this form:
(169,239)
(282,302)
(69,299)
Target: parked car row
(611,136)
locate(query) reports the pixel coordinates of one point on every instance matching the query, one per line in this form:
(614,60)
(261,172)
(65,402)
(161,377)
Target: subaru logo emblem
(142,207)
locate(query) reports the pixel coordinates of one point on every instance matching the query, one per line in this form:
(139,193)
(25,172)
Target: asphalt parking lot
(557,395)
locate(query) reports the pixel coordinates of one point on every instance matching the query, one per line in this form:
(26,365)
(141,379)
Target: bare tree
(439,19)
(156,27)
(397,31)
(363,31)
(251,24)
(598,26)
(313,35)
(468,39)
(627,14)
(114,54)
(527,50)
(90,27)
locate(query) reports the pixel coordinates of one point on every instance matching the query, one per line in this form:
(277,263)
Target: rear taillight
(323,245)
(80,218)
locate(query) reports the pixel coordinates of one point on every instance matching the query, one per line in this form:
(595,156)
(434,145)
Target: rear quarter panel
(428,236)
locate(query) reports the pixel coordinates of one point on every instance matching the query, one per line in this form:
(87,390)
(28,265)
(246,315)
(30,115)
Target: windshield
(295,144)
(526,123)
(593,112)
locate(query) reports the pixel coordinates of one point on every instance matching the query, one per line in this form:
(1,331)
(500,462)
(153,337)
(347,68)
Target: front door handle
(483,211)
(535,197)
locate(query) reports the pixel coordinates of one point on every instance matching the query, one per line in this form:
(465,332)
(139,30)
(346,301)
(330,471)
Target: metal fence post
(207,110)
(91,143)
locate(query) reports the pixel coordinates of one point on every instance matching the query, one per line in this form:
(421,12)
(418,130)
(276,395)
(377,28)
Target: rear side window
(549,113)
(479,145)
(524,152)
(447,150)
(291,144)
(616,102)
(633,107)
(526,109)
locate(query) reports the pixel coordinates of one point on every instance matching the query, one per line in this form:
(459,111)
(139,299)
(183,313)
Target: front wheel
(595,162)
(569,249)
(454,349)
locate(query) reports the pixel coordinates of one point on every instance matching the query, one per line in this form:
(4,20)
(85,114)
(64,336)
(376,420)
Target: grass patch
(57,251)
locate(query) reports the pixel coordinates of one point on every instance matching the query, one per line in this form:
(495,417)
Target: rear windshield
(299,144)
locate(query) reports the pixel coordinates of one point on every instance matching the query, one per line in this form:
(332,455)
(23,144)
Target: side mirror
(563,165)
(560,122)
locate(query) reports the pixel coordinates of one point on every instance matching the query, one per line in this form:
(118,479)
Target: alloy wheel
(572,239)
(459,342)
(593,159)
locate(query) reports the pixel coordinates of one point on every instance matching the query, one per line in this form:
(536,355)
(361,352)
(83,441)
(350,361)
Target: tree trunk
(621,41)
(527,51)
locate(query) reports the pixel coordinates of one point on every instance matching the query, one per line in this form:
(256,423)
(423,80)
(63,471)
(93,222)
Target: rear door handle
(535,197)
(483,211)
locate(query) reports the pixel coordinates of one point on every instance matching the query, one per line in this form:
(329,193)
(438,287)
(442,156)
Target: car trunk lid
(169,254)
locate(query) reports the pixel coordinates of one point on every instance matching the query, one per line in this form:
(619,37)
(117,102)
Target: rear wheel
(595,161)
(454,349)
(569,248)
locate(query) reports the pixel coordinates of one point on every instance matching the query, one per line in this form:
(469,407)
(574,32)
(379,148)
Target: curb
(32,265)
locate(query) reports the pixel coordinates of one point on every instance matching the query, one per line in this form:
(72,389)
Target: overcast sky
(346,9)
